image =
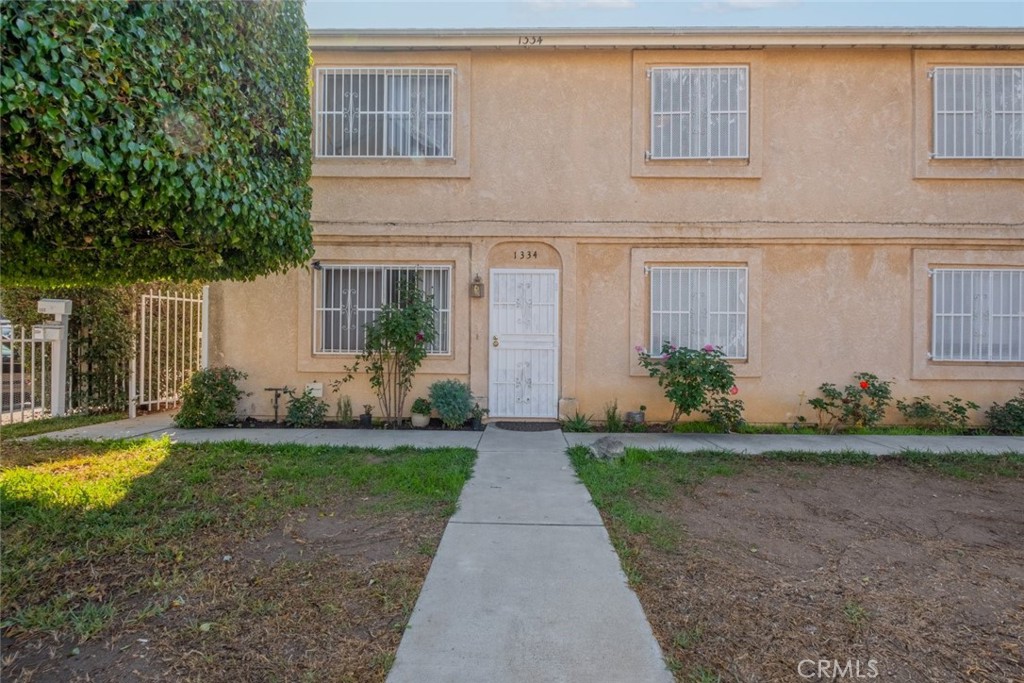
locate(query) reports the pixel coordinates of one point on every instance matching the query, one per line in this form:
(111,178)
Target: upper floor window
(699,112)
(384,112)
(349,297)
(695,306)
(977,314)
(979,112)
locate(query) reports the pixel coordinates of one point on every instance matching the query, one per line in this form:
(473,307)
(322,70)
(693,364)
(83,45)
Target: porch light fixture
(476,287)
(317,266)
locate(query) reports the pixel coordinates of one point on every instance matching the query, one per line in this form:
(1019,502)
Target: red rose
(864,384)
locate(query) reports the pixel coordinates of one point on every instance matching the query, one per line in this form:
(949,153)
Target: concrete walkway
(525,585)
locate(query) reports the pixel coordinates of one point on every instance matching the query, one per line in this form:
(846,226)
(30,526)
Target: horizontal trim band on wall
(463,232)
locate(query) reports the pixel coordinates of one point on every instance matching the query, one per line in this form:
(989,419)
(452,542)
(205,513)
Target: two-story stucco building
(817,202)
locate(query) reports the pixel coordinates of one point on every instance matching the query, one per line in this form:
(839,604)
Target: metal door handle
(494,342)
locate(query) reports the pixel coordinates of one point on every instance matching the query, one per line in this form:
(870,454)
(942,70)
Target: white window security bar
(695,306)
(699,112)
(978,112)
(349,297)
(384,112)
(977,315)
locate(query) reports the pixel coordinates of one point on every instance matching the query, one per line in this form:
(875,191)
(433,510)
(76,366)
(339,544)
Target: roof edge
(638,37)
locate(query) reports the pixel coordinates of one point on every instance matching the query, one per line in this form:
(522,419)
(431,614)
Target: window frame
(977,314)
(388,73)
(319,310)
(983,89)
(925,165)
(643,258)
(640,135)
(700,274)
(700,110)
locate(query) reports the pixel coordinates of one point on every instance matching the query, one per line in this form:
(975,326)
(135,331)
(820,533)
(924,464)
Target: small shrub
(612,420)
(421,406)
(1008,418)
(694,380)
(209,397)
(305,410)
(949,416)
(344,413)
(857,405)
(725,413)
(577,423)
(453,401)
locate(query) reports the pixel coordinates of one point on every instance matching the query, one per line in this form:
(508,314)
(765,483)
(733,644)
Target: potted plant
(420,413)
(477,415)
(366,419)
(636,417)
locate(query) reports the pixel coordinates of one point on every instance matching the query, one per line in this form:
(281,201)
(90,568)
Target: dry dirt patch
(920,573)
(324,596)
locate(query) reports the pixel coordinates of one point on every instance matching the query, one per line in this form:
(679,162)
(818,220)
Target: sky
(431,14)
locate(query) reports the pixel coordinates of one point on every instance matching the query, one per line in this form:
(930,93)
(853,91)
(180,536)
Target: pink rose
(735,390)
(709,348)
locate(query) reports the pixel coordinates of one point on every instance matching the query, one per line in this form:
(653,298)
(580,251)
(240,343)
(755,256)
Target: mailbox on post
(49,332)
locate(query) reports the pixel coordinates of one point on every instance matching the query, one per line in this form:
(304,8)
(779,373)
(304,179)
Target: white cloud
(730,5)
(546,5)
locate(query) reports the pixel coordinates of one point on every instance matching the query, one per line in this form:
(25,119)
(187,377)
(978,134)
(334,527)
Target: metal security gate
(523,372)
(24,375)
(172,344)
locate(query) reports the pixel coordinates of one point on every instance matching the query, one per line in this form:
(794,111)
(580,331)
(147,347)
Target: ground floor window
(977,314)
(348,297)
(696,306)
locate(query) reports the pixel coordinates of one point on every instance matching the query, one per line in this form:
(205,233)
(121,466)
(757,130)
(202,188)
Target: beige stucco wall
(838,216)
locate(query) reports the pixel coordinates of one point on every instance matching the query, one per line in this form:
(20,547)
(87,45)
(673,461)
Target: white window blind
(384,112)
(693,307)
(979,112)
(699,112)
(349,297)
(978,315)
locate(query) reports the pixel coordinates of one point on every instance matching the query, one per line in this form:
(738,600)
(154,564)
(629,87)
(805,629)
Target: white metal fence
(24,376)
(171,346)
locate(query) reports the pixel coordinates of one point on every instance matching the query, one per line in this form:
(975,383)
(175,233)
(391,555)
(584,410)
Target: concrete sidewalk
(525,585)
(159,424)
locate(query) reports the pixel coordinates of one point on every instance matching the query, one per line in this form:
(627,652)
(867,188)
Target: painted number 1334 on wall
(524,255)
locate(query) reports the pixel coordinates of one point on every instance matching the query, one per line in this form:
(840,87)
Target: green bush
(949,416)
(209,397)
(695,380)
(1008,418)
(453,401)
(305,410)
(577,423)
(612,419)
(857,405)
(153,140)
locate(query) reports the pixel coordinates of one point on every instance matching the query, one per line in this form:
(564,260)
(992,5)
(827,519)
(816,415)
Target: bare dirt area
(325,596)
(883,572)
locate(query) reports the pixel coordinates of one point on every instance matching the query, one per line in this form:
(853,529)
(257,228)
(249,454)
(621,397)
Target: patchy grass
(747,565)
(104,538)
(17,430)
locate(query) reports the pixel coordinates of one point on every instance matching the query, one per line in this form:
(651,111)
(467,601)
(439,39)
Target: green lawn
(96,533)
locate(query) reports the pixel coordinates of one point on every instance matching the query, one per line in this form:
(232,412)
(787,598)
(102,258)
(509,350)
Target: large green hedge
(153,140)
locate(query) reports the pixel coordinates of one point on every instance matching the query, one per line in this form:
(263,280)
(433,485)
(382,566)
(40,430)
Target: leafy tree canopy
(153,140)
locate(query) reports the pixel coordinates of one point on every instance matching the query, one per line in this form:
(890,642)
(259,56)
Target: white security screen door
(524,343)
